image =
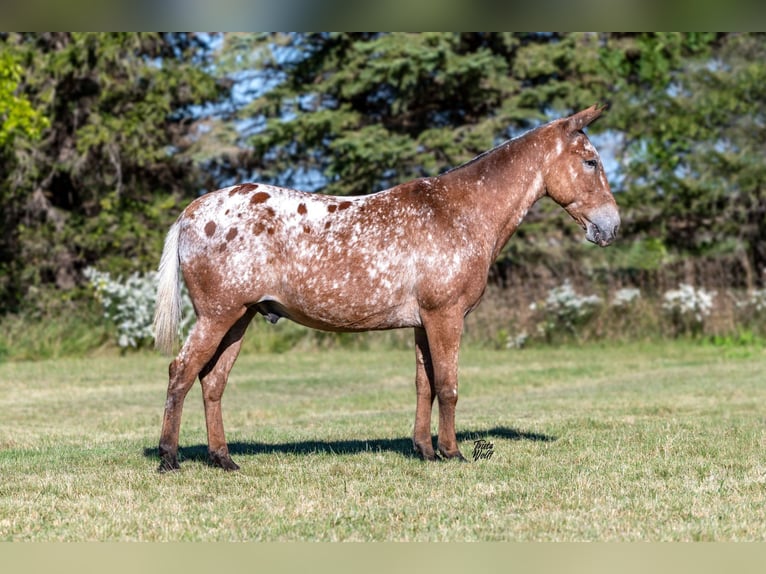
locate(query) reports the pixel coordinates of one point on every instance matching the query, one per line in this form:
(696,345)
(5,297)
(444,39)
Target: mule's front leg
(424,388)
(444,333)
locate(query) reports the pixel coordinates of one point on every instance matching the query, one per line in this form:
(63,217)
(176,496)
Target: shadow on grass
(402,446)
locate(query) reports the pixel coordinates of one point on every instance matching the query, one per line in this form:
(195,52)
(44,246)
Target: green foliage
(355,113)
(17,116)
(64,329)
(362,112)
(114,133)
(743,344)
(111,169)
(695,140)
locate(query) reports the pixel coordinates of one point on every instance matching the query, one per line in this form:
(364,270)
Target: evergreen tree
(694,170)
(105,137)
(102,182)
(356,113)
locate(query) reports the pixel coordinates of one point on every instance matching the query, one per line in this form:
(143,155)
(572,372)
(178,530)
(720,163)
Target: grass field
(636,442)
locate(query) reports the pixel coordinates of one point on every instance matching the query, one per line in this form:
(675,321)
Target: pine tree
(101,181)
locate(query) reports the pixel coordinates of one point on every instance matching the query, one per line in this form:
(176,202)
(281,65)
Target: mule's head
(575,179)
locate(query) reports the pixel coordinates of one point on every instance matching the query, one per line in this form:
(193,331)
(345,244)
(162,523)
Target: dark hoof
(425,453)
(229,465)
(168,465)
(453,455)
(432,457)
(223,461)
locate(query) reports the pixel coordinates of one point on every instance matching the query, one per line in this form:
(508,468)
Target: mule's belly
(343,303)
(328,320)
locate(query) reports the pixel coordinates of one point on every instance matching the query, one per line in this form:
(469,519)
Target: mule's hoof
(168,465)
(425,453)
(453,455)
(229,465)
(223,461)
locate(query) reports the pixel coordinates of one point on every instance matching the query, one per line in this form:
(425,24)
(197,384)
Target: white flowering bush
(751,311)
(566,309)
(630,314)
(625,297)
(517,341)
(756,302)
(688,307)
(129,305)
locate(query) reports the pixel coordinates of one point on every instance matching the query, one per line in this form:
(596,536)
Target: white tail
(167,311)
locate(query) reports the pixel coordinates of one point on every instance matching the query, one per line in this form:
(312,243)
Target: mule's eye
(591,163)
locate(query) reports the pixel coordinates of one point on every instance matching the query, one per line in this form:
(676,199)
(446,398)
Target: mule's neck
(498,187)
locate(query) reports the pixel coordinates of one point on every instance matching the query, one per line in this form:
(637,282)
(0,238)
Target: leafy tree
(105,136)
(351,114)
(102,182)
(695,140)
(355,113)
(17,114)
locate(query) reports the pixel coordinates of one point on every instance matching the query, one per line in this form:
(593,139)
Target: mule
(416,255)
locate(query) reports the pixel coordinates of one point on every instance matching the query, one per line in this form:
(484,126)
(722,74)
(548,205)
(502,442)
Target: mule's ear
(580,120)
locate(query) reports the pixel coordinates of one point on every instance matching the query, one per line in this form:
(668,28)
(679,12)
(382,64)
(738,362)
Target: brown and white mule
(416,255)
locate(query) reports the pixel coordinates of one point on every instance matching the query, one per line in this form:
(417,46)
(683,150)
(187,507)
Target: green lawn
(635,442)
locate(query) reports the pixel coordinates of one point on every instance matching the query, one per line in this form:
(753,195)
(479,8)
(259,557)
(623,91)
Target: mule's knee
(212,388)
(447,396)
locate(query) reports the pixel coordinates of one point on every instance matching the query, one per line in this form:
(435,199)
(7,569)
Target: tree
(694,142)
(103,182)
(351,114)
(104,136)
(18,116)
(356,113)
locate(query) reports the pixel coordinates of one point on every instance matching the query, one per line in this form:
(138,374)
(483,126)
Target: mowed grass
(637,442)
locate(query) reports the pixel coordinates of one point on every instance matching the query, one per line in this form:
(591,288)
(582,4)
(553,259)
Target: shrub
(688,308)
(129,305)
(70,329)
(750,312)
(756,302)
(566,310)
(626,297)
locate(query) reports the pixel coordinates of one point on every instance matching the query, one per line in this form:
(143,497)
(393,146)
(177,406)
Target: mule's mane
(489,152)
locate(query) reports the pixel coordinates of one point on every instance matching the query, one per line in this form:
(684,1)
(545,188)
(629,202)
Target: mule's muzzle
(601,225)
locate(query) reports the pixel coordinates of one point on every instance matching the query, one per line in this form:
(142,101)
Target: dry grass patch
(639,442)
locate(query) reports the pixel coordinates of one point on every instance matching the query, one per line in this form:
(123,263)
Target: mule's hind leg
(214,378)
(424,389)
(198,349)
